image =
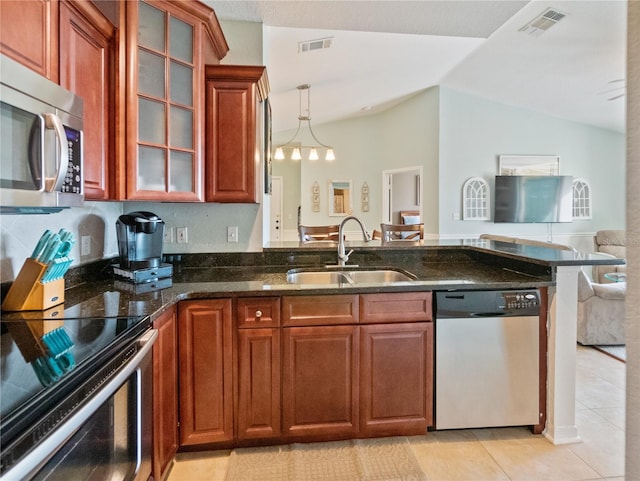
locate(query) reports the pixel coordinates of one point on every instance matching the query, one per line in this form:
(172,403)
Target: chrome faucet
(342,257)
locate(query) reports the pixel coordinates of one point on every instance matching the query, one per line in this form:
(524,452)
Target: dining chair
(402,232)
(410,217)
(310,233)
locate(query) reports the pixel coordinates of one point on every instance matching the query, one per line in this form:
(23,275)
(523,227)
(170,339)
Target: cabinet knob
(258,314)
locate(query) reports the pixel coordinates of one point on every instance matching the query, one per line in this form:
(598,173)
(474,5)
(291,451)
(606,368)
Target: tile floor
(505,454)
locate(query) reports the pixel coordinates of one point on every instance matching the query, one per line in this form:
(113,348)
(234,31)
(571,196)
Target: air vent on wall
(543,22)
(316,44)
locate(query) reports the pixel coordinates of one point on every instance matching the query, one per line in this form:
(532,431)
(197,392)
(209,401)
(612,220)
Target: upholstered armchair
(600,311)
(612,242)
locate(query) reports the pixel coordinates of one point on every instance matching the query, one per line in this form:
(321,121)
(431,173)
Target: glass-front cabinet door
(165,103)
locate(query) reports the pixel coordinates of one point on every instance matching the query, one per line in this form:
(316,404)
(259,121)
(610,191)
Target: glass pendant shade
(313,154)
(295,155)
(279,154)
(330,155)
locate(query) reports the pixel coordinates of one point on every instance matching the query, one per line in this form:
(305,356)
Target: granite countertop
(448,265)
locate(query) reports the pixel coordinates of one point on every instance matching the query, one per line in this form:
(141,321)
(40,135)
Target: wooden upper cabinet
(167,44)
(29,34)
(87,68)
(235,130)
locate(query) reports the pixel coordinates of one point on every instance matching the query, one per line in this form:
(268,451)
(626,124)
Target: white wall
(403,136)
(475,131)
(357,149)
(207,225)
(19,234)
(410,137)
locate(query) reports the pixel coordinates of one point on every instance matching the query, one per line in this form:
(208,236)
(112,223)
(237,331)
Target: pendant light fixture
(297,148)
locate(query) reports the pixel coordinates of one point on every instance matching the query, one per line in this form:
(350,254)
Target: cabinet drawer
(320,310)
(396,307)
(257,312)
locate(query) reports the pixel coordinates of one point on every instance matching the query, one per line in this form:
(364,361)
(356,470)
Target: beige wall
(632,332)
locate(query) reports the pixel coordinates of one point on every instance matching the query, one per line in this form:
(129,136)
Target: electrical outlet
(181,235)
(85,245)
(168,235)
(232,233)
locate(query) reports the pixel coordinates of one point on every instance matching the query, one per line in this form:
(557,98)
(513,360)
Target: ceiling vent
(543,22)
(317,44)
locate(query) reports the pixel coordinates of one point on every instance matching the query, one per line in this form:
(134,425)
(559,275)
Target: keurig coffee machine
(140,236)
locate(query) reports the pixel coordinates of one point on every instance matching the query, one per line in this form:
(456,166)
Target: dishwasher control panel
(518,302)
(520,299)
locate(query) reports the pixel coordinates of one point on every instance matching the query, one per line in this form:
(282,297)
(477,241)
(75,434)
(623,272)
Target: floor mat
(382,459)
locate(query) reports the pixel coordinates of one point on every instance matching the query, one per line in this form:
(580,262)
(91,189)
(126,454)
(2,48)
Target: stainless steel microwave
(41,154)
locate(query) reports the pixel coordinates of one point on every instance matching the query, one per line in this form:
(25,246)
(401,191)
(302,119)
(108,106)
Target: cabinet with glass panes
(167,45)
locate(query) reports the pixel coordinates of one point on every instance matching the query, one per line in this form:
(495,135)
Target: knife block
(28,293)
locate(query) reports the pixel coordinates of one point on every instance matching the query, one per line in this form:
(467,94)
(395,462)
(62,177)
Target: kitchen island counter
(442,265)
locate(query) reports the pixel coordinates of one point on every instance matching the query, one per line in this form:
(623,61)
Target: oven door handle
(38,457)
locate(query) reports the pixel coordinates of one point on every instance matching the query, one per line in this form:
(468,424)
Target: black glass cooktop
(41,360)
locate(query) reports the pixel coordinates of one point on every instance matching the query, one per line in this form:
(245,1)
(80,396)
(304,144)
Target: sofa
(601,311)
(613,243)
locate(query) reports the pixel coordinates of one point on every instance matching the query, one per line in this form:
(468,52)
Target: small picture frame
(365,198)
(316,198)
(316,208)
(315,188)
(365,207)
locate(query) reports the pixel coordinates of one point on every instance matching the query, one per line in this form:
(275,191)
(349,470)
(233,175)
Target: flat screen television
(533,198)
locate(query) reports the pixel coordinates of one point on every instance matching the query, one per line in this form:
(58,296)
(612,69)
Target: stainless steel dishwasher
(487,358)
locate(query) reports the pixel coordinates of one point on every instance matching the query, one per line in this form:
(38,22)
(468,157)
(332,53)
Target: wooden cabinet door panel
(87,68)
(205,356)
(29,34)
(395,307)
(258,383)
(320,388)
(320,310)
(396,379)
(165,392)
(234,151)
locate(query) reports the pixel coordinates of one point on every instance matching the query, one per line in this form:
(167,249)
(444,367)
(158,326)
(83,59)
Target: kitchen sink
(349,276)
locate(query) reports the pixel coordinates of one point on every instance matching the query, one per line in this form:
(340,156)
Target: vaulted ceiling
(382,52)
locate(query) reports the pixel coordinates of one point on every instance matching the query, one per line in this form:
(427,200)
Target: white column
(561,371)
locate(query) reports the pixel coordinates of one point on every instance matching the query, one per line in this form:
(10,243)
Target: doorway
(401,191)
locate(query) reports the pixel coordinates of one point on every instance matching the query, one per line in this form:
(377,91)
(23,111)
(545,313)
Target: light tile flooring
(506,453)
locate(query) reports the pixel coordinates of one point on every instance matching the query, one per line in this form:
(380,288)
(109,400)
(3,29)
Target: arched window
(581,199)
(475,199)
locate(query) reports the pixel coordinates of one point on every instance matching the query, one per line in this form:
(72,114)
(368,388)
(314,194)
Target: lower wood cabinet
(165,392)
(205,354)
(302,368)
(258,412)
(396,379)
(258,378)
(320,388)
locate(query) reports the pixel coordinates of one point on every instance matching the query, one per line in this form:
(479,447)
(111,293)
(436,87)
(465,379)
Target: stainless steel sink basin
(322,277)
(349,276)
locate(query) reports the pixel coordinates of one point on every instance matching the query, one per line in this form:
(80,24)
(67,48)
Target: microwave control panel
(73,179)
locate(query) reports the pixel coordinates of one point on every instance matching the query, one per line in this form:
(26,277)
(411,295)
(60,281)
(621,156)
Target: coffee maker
(140,236)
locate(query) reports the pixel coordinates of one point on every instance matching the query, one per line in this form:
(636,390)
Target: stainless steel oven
(90,419)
